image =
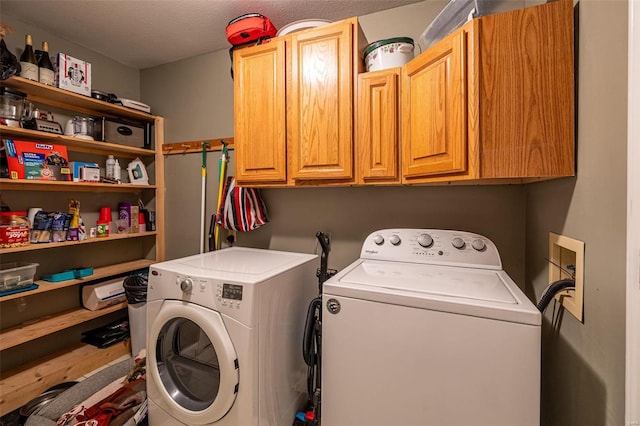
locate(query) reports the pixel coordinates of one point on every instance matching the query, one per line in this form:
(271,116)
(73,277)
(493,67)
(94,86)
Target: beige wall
(107,75)
(583,363)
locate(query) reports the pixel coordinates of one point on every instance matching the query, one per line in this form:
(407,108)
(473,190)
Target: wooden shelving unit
(19,386)
(98,273)
(41,93)
(44,326)
(52,185)
(25,379)
(74,144)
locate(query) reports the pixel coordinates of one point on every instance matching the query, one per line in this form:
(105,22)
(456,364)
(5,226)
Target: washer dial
(458,243)
(478,244)
(425,240)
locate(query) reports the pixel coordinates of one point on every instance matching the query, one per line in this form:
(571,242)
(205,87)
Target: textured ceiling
(147,33)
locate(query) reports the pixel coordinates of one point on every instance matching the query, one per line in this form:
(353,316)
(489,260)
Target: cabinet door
(434,137)
(259,113)
(319,102)
(377,122)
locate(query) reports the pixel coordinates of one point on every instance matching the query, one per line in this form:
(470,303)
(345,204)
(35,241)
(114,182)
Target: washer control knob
(378,239)
(186,285)
(395,240)
(425,240)
(478,244)
(458,243)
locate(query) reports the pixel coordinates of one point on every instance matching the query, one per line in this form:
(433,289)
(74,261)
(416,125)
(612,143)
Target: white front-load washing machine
(427,329)
(224,337)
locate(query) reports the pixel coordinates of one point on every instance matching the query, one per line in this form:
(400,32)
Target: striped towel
(242,209)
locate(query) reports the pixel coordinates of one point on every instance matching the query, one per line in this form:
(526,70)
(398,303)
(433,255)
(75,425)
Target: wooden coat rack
(195,146)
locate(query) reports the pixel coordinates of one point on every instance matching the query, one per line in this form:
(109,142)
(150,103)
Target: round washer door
(193,363)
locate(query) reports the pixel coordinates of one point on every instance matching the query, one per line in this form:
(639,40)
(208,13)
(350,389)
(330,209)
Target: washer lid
(467,291)
(239,264)
(429,280)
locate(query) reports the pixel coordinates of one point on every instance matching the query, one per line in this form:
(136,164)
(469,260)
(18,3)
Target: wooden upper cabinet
(294,107)
(526,119)
(434,110)
(320,102)
(260,113)
(378,128)
(493,101)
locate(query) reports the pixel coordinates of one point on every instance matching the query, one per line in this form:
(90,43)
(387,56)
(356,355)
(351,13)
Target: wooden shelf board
(98,273)
(51,324)
(45,246)
(21,385)
(41,93)
(53,185)
(74,144)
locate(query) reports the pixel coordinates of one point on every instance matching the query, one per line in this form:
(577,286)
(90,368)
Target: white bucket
(388,53)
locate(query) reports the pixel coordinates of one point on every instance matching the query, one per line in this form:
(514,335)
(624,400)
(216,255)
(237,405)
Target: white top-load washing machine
(427,329)
(224,337)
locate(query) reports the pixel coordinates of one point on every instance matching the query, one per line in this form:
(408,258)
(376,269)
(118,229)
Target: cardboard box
(37,160)
(85,172)
(129,213)
(73,74)
(103,294)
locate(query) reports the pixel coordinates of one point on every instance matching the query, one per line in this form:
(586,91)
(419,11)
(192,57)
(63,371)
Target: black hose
(553,289)
(308,351)
(311,345)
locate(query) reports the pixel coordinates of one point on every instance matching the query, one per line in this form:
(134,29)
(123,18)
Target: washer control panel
(435,246)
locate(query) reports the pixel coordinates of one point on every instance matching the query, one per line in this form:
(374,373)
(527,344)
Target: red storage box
(250,27)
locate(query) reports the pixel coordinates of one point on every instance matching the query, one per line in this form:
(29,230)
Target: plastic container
(11,104)
(304,24)
(16,275)
(14,229)
(110,169)
(117,171)
(135,288)
(141,222)
(388,53)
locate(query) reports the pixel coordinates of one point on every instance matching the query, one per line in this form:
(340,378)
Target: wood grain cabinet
(493,100)
(294,100)
(40,329)
(378,127)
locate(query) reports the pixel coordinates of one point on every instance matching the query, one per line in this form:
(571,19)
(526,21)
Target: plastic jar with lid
(14,229)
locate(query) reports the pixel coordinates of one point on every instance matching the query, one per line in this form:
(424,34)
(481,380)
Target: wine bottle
(28,61)
(45,67)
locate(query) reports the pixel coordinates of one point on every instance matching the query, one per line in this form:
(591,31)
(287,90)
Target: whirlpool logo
(371,251)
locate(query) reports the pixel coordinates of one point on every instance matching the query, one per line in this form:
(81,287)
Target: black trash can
(135,288)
